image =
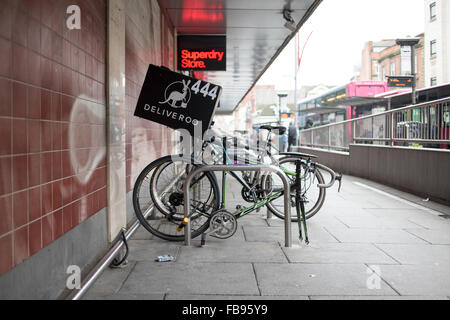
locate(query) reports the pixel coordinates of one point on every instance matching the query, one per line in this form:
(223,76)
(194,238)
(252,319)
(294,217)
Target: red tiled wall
(52,123)
(146,42)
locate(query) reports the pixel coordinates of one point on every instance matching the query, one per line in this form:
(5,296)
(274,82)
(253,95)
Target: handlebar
(334,177)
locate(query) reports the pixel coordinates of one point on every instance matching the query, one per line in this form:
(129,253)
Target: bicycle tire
(318,202)
(159,217)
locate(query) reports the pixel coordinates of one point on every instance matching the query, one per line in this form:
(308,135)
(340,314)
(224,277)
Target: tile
(20,136)
(46,198)
(152,277)
(56,165)
(57,194)
(338,253)
(46,136)
(46,42)
(6,220)
(20,172)
(56,107)
(76,213)
(35,237)
(34,136)
(20,209)
(19,63)
(34,68)
(67,218)
(66,191)
(5,173)
(6,17)
(46,167)
(6,249)
(6,135)
(20,97)
(34,203)
(20,27)
(34,34)
(316,279)
(47,230)
(5,95)
(46,73)
(57,224)
(21,248)
(6,61)
(418,253)
(56,77)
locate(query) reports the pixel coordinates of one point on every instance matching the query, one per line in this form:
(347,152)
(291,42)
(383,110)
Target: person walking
(292,136)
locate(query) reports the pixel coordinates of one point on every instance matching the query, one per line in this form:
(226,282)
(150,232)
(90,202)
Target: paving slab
(377,223)
(317,279)
(111,280)
(431,222)
(421,254)
(142,250)
(418,280)
(120,296)
(276,234)
(432,236)
(403,213)
(222,252)
(232,297)
(334,253)
(374,236)
(192,278)
(378,298)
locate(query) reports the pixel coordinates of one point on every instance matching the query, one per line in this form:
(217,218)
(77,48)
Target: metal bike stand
(262,167)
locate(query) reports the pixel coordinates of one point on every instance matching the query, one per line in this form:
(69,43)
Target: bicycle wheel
(158,198)
(314,195)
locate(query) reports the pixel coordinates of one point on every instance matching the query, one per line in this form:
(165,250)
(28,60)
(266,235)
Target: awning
(255,36)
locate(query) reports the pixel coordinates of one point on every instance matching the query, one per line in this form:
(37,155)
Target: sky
(340,28)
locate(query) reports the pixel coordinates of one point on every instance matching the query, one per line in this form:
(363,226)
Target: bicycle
(166,194)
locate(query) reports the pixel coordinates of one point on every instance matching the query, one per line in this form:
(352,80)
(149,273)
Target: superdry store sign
(202,53)
(177,101)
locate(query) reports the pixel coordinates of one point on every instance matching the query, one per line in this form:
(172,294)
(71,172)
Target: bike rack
(223,168)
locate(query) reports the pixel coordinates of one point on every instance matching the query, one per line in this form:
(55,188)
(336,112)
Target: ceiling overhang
(255,32)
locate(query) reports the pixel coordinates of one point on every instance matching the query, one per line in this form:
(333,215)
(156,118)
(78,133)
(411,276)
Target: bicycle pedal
(239,207)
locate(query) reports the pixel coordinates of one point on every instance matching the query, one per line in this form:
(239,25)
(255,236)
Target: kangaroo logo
(179,96)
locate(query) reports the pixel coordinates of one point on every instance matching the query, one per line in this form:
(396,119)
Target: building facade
(437,43)
(382,59)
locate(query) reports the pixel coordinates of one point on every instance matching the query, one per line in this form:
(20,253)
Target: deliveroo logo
(177,94)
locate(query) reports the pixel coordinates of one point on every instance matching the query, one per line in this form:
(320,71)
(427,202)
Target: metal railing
(426,123)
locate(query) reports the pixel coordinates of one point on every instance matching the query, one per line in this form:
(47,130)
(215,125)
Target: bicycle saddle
(282,130)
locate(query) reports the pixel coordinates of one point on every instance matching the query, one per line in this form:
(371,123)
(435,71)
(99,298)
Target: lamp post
(411,42)
(281,97)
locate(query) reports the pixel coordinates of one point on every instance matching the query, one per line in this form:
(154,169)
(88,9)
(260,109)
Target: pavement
(367,242)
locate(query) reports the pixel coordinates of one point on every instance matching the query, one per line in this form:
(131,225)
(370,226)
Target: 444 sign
(177,101)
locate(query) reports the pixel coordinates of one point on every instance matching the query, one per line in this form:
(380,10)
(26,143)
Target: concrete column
(116,116)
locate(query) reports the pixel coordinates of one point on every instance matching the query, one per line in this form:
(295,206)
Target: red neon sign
(202,52)
(196,59)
